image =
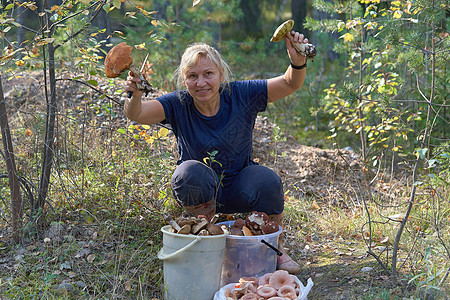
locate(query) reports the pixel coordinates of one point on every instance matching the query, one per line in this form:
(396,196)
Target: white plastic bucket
(192,265)
(249,255)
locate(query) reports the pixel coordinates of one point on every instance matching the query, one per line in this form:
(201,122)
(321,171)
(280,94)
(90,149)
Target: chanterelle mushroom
(283,31)
(118,60)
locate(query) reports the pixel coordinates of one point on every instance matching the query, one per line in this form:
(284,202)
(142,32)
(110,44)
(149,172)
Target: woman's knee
(263,178)
(264,189)
(194,183)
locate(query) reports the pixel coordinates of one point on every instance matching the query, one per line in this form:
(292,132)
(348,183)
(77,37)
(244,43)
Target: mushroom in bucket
(283,31)
(118,60)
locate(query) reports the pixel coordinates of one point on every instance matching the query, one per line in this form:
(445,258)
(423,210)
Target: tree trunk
(16,200)
(21,19)
(252,19)
(50,125)
(299,10)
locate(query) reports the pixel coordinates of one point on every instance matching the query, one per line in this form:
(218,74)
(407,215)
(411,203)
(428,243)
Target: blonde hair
(191,56)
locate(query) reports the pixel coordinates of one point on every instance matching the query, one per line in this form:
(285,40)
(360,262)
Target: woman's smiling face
(203,81)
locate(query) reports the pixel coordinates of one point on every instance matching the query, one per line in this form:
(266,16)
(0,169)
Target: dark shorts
(255,188)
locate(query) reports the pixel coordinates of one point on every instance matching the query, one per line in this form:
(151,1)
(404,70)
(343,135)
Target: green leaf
(9,6)
(446,155)
(121,130)
(432,163)
(422,152)
(93,82)
(116,4)
(54,18)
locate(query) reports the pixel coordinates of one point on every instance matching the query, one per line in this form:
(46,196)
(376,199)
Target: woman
(213,120)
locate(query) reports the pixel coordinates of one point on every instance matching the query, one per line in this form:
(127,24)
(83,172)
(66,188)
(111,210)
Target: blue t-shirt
(229,132)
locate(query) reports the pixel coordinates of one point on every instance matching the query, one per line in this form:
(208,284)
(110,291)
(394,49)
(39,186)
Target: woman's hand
(295,57)
(286,84)
(144,112)
(131,86)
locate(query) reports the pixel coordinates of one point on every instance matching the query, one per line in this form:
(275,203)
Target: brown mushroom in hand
(284,31)
(118,60)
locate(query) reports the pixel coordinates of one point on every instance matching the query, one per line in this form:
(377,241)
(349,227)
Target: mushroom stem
(144,85)
(308,50)
(169,219)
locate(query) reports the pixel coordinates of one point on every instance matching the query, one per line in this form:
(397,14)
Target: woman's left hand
(295,57)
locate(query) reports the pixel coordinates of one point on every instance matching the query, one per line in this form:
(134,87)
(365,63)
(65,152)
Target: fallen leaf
(90,258)
(128,286)
(396,217)
(384,240)
(314,206)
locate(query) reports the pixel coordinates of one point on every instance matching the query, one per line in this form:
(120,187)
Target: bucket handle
(162,256)
(279,253)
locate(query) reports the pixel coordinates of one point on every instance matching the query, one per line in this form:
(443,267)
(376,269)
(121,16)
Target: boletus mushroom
(119,60)
(284,31)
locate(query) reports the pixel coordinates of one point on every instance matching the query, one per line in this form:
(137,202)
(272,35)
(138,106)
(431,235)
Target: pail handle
(161,255)
(279,253)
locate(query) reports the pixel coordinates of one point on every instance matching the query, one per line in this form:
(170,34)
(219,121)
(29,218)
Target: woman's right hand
(144,112)
(131,86)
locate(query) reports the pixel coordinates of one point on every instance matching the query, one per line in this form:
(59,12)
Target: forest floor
(327,180)
(335,179)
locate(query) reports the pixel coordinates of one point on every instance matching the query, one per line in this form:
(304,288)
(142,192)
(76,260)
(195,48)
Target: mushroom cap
(247,231)
(280,278)
(280,32)
(263,280)
(287,291)
(270,227)
(238,223)
(266,291)
(255,221)
(118,60)
(214,229)
(236,231)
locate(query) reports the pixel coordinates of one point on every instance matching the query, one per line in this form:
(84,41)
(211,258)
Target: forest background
(81,209)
